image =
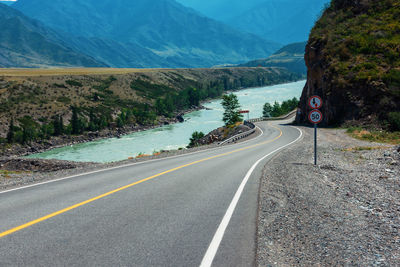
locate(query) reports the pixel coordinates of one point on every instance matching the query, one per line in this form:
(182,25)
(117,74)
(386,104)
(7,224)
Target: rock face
(353,63)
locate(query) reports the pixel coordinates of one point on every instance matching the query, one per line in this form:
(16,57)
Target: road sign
(315,116)
(315,102)
(244,111)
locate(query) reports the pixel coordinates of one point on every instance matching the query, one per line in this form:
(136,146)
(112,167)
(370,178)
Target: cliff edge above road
(353,63)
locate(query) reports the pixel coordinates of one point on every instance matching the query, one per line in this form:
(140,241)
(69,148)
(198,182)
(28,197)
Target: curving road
(190,210)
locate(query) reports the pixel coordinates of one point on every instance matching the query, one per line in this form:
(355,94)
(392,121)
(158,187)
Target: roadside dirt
(343,212)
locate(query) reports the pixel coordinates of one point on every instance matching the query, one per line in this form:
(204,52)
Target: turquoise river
(173,136)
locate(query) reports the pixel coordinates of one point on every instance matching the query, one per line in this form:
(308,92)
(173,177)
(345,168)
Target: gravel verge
(343,212)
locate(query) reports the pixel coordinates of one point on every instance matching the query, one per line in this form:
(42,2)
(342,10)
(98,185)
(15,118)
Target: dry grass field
(73,71)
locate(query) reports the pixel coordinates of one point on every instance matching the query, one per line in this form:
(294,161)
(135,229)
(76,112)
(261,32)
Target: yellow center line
(54,214)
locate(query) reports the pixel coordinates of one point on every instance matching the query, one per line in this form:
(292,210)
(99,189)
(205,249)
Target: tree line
(91,119)
(277,109)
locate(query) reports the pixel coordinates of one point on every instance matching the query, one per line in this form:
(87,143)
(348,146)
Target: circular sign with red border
(315,116)
(315,102)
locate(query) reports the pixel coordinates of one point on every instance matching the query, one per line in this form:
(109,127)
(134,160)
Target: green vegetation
(11,132)
(196,136)
(64,99)
(364,148)
(280,109)
(394,121)
(378,136)
(73,83)
(231,106)
(358,44)
(267,109)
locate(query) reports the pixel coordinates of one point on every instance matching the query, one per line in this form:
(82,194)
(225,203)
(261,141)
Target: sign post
(245,112)
(315,117)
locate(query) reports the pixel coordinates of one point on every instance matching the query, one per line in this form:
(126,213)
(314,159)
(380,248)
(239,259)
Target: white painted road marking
(219,234)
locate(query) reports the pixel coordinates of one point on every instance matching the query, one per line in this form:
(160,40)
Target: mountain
(27,43)
(284,21)
(353,63)
(164,29)
(290,57)
(9,3)
(222,10)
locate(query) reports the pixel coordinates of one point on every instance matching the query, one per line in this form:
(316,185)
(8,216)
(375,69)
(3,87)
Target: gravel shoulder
(343,212)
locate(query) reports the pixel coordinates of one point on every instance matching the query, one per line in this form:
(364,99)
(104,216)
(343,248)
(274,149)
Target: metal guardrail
(290,114)
(250,123)
(241,135)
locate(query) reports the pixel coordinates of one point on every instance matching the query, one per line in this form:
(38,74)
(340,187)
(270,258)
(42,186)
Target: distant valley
(145,34)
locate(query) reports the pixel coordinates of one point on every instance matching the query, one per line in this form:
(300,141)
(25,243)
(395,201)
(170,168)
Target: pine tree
(61,125)
(267,110)
(231,106)
(75,124)
(11,133)
(58,125)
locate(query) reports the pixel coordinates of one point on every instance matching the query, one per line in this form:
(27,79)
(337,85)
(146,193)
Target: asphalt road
(156,213)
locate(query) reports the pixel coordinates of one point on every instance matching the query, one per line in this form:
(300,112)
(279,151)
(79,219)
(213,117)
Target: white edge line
(123,166)
(216,241)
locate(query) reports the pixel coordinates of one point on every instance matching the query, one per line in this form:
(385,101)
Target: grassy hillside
(353,60)
(39,102)
(290,57)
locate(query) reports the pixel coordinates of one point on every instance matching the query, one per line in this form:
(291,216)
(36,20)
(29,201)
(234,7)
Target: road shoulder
(345,211)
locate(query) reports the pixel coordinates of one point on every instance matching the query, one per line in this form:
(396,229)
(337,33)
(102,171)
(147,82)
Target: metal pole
(315,144)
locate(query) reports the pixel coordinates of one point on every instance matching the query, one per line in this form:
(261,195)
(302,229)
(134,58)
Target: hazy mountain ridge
(290,57)
(284,21)
(27,43)
(281,20)
(164,32)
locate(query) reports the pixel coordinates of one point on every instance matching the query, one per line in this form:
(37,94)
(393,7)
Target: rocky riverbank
(343,212)
(18,150)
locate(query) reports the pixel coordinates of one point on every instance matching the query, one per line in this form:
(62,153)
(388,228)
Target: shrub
(394,121)
(196,136)
(64,99)
(73,83)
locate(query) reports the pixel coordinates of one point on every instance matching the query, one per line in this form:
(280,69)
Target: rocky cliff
(353,61)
